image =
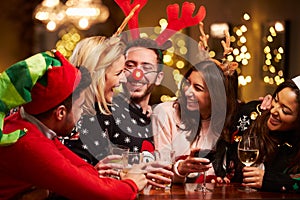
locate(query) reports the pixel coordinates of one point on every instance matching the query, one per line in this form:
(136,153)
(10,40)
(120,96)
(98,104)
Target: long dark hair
(268,143)
(214,79)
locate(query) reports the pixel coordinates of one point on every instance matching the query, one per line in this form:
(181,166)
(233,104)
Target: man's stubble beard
(147,93)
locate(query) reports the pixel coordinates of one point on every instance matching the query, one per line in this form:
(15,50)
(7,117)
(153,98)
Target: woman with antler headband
(203,92)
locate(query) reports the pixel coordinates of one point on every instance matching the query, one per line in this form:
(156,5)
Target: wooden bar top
(219,191)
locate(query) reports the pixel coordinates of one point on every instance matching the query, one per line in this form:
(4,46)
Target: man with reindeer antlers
(130,124)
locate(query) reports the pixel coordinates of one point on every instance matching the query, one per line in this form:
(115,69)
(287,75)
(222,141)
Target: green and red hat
(39,83)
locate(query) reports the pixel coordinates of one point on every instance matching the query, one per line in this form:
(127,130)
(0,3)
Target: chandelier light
(81,13)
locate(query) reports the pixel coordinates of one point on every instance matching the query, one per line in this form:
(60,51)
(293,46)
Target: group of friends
(70,114)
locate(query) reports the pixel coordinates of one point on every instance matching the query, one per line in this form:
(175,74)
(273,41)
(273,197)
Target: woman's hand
(106,167)
(266,102)
(221,180)
(253,177)
(158,174)
(193,164)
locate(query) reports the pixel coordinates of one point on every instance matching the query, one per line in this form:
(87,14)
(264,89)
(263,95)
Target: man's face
(144,60)
(73,116)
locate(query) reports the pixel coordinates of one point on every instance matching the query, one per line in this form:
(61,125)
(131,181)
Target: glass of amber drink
(166,157)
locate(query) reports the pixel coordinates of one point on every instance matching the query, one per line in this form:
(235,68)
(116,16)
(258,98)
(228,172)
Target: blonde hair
(97,53)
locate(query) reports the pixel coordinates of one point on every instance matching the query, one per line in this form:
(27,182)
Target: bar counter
(218,191)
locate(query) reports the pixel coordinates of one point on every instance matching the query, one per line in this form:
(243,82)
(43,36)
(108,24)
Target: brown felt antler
(133,22)
(176,23)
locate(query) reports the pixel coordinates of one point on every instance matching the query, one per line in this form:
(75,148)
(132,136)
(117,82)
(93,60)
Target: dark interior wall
(17,29)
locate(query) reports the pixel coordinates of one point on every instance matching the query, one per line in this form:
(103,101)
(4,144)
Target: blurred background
(264,34)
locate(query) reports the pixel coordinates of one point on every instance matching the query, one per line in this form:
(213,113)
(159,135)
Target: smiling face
(197,94)
(146,61)
(284,111)
(114,76)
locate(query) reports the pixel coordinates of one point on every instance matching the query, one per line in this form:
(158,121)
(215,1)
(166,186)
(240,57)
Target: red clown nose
(137,74)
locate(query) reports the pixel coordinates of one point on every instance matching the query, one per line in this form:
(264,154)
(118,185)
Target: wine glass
(210,155)
(248,153)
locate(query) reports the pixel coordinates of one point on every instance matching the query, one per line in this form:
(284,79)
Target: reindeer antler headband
(175,23)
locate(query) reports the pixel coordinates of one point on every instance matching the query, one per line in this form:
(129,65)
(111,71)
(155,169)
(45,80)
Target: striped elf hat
(18,86)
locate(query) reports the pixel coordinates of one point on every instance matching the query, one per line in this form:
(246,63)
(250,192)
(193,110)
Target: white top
(169,136)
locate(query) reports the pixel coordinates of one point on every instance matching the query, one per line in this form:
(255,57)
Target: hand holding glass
(248,153)
(210,155)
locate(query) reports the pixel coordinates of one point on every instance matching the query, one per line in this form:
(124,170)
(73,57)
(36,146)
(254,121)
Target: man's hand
(106,167)
(137,175)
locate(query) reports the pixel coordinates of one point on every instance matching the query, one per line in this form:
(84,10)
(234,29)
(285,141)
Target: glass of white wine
(248,152)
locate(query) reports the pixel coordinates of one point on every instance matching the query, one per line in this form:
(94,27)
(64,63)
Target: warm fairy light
(230,58)
(247,55)
(266,79)
(270,38)
(246,17)
(212,54)
(175,71)
(279,27)
(243,39)
(244,62)
(244,49)
(183,50)
(217,30)
(232,38)
(180,43)
(239,33)
(51,26)
(171,50)
(280,50)
(243,28)
(248,79)
(83,23)
(267,62)
(278,56)
(272,31)
(167,58)
(267,49)
(80,13)
(68,41)
(236,51)
(269,56)
(265,68)
(273,57)
(163,24)
(180,64)
(144,35)
(272,69)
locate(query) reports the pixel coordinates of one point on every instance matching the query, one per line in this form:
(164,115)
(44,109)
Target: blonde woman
(104,59)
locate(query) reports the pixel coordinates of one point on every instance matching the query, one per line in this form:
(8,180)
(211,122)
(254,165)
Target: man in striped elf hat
(34,164)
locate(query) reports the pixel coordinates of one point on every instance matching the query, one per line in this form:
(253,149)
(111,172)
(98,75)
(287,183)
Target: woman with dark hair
(195,120)
(277,131)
